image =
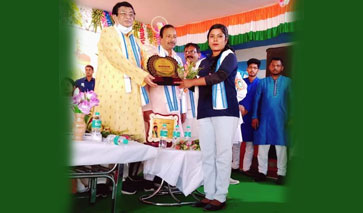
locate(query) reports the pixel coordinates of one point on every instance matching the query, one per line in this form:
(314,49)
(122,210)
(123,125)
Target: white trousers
(216,135)
(281,155)
(235,155)
(247,159)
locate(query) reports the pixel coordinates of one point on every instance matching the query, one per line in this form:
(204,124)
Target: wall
(257,49)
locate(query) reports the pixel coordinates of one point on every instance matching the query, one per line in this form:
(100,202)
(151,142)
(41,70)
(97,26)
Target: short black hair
(193,45)
(88,65)
(254,61)
(277,59)
(165,27)
(224,30)
(121,4)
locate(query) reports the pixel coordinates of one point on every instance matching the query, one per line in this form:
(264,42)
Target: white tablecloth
(92,153)
(182,169)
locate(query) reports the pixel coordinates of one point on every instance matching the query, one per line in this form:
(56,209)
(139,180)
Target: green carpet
(245,196)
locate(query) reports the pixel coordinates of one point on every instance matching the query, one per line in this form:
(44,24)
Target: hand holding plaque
(164,69)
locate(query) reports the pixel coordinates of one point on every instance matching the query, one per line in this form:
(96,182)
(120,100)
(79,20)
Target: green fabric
(247,196)
(250,36)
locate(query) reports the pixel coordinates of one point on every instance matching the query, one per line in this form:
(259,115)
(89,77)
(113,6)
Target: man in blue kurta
(269,119)
(245,105)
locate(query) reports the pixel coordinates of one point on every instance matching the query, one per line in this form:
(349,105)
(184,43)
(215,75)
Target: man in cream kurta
(119,78)
(167,99)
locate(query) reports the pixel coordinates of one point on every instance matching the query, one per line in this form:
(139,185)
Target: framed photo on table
(155,124)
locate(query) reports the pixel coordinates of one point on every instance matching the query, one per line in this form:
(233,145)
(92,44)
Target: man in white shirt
(192,55)
(166,99)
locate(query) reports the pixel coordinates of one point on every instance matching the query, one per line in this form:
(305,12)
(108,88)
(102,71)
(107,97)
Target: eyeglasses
(190,52)
(123,14)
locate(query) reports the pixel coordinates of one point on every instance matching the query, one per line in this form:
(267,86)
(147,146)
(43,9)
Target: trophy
(164,69)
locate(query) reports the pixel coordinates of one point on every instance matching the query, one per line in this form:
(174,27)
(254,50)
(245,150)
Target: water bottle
(163,136)
(176,134)
(116,139)
(96,127)
(188,135)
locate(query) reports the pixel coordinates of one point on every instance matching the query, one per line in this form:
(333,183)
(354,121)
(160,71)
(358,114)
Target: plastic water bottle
(96,127)
(163,136)
(116,139)
(188,135)
(176,134)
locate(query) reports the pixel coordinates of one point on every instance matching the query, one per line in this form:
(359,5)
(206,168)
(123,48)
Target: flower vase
(79,126)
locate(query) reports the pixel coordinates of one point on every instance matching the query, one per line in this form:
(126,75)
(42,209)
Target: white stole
(219,97)
(170,91)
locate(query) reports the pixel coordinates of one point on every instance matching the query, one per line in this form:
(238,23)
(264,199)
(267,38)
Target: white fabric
(215,135)
(247,158)
(93,153)
(235,155)
(241,89)
(262,157)
(182,169)
(219,91)
(123,29)
(238,138)
(183,99)
(192,122)
(241,94)
(158,102)
(163,53)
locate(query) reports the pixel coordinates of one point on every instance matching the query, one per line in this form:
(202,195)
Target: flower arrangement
(107,131)
(84,101)
(183,145)
(188,71)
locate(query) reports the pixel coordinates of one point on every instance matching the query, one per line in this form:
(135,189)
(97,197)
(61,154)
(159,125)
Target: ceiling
(182,12)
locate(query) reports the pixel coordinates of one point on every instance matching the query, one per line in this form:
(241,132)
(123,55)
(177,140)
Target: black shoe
(260,177)
(157,181)
(280,180)
(148,186)
(215,205)
(247,173)
(102,190)
(235,170)
(128,188)
(201,203)
(136,178)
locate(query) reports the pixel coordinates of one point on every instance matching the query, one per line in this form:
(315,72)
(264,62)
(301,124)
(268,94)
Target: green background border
(324,176)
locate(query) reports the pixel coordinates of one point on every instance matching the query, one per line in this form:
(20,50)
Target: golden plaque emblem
(164,69)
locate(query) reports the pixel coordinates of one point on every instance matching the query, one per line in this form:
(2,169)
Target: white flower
(76,92)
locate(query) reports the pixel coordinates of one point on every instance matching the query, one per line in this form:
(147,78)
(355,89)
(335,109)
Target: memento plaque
(164,69)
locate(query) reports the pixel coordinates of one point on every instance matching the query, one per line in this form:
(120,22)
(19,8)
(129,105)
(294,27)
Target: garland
(142,33)
(97,19)
(150,34)
(136,28)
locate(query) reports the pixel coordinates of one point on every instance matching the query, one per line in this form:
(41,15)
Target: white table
(179,168)
(95,153)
